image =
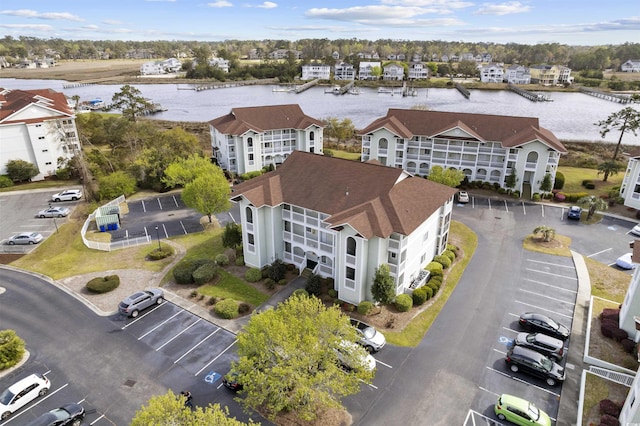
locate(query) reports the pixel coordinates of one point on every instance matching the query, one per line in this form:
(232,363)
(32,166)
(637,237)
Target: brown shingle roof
(374,199)
(262,118)
(12,101)
(510,131)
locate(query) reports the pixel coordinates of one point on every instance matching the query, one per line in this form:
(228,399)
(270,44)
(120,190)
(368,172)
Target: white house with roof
(550,75)
(630,186)
(393,72)
(344,71)
(418,71)
(491,73)
(632,65)
(342,220)
(37,126)
(220,63)
(487,148)
(315,71)
(517,74)
(248,139)
(366,70)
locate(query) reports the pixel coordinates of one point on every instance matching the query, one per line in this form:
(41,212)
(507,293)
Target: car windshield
(6,397)
(369,332)
(552,324)
(546,363)
(534,412)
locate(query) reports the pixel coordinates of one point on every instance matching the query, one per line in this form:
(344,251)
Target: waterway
(570,116)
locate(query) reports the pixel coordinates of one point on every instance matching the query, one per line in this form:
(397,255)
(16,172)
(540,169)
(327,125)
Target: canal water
(570,116)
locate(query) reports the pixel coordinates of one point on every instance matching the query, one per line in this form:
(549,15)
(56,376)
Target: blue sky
(573,22)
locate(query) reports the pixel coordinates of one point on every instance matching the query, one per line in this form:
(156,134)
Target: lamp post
(158,236)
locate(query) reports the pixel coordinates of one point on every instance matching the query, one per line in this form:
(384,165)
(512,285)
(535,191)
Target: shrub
(332,293)
(365,307)
(227,309)
(282,282)
(300,292)
(443,260)
(628,345)
(5,181)
(244,308)
(403,302)
(454,249)
(313,285)
(451,255)
(271,284)
(265,272)
(437,281)
(559,196)
(434,287)
(608,327)
(161,253)
(535,197)
(348,306)
(585,182)
(559,182)
(211,301)
(609,407)
(183,272)
(608,420)
(103,284)
(428,291)
(419,296)
(193,293)
(277,270)
(435,269)
(204,273)
(222,259)
(619,335)
(11,349)
(240,261)
(253,275)
(611,314)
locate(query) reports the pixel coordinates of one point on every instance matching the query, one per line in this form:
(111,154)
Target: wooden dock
(465,92)
(301,88)
(613,97)
(532,96)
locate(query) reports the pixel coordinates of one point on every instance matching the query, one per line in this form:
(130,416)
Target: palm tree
(609,168)
(592,204)
(547,232)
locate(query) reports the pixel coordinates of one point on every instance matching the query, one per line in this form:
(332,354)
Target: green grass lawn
(232,287)
(573,177)
(354,156)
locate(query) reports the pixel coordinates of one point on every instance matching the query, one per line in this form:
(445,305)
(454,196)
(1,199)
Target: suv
(535,364)
(370,338)
(67,195)
(520,411)
(574,213)
(132,305)
(546,345)
(21,393)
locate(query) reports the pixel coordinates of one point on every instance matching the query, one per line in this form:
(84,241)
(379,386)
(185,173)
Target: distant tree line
(578,58)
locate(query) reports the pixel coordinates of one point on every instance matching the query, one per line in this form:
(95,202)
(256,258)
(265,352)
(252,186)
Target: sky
(571,22)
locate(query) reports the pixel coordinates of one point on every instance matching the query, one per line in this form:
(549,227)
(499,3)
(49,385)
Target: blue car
(574,213)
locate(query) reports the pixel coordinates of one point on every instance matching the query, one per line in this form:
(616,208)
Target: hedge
(365,307)
(101,285)
(222,259)
(300,292)
(443,260)
(204,273)
(607,406)
(5,181)
(313,285)
(419,296)
(183,272)
(240,261)
(253,275)
(11,349)
(227,308)
(435,269)
(403,302)
(162,253)
(451,255)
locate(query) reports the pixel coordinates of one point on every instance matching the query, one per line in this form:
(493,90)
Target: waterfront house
(171,65)
(418,71)
(630,186)
(343,219)
(284,54)
(487,148)
(366,70)
(344,71)
(393,72)
(37,126)
(517,74)
(222,64)
(248,139)
(491,73)
(550,75)
(315,71)
(631,66)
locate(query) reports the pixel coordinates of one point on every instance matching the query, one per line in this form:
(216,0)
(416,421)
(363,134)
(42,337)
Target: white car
(370,338)
(625,261)
(354,357)
(67,195)
(463,197)
(635,230)
(54,212)
(21,393)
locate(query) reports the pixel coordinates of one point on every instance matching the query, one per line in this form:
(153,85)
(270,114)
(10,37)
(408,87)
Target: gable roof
(373,199)
(14,101)
(263,118)
(510,131)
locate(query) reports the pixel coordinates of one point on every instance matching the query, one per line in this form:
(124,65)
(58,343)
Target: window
(287,226)
(250,157)
(249,214)
(426,236)
(351,273)
(383,143)
(250,142)
(45,150)
(250,239)
(351,246)
(287,247)
(312,136)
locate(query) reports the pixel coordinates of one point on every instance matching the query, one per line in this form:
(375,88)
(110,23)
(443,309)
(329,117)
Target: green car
(520,411)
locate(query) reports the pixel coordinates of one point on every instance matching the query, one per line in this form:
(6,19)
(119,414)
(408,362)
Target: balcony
(351,260)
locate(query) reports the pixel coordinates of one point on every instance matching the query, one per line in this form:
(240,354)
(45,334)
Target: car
(574,213)
(230,381)
(546,345)
(54,212)
(67,415)
(132,305)
(67,195)
(463,197)
(535,364)
(636,230)
(25,238)
(370,338)
(543,324)
(21,393)
(352,357)
(626,261)
(520,411)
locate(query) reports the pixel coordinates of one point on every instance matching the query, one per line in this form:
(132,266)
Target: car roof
(526,352)
(514,401)
(533,315)
(17,386)
(543,338)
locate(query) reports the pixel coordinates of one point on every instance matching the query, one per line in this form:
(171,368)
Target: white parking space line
(488,391)
(97,420)
(177,335)
(542,209)
(195,346)
(550,263)
(383,363)
(524,209)
(175,201)
(489,200)
(369,384)
(511,330)
(552,286)
(473,202)
(164,228)
(183,228)
(517,379)
(514,315)
(160,325)
(551,273)
(506,207)
(213,360)
(543,309)
(144,207)
(545,296)
(159,203)
(39,401)
(600,252)
(503,353)
(142,316)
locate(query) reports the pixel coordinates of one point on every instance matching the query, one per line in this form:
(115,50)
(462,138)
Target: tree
(609,168)
(449,177)
(511,179)
(625,120)
(130,101)
(20,170)
(547,184)
(383,289)
(169,410)
(232,236)
(116,184)
(546,231)
(185,170)
(12,349)
(288,359)
(208,194)
(592,204)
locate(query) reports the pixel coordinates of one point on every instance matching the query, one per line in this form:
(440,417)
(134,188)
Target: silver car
(67,195)
(25,238)
(54,212)
(370,338)
(132,305)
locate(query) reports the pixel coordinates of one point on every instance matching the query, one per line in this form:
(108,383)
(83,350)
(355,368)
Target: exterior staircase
(306,273)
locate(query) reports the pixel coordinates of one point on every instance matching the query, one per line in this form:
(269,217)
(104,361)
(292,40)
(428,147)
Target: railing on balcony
(298,238)
(249,227)
(351,260)
(530,165)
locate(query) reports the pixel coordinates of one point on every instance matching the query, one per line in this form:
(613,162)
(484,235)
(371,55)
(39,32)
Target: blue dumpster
(102,228)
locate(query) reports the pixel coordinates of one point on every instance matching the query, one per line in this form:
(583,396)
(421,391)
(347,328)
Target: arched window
(383,143)
(532,157)
(495,176)
(250,142)
(312,136)
(467,173)
(249,214)
(351,246)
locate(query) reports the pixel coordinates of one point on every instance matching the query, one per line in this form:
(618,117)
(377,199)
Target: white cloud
(220,3)
(36,27)
(434,4)
(268,5)
(27,13)
(111,22)
(381,16)
(502,8)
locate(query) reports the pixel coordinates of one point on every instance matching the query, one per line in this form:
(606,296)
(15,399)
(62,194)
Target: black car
(546,345)
(534,363)
(545,325)
(230,381)
(67,415)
